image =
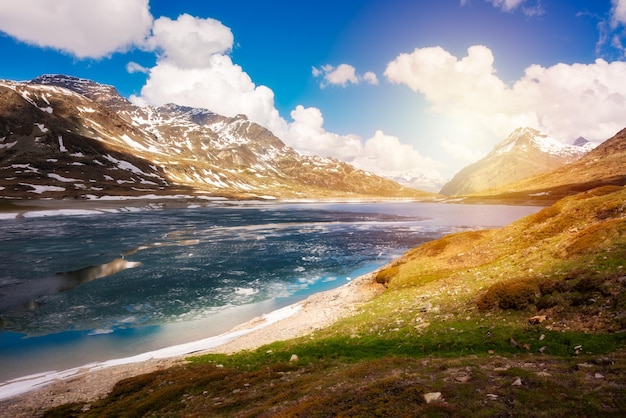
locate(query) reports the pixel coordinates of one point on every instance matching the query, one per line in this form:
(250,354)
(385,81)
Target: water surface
(78,289)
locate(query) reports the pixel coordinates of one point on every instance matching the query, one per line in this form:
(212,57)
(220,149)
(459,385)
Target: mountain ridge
(189,150)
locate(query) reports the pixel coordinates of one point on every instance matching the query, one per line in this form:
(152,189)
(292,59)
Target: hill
(605,165)
(525,153)
(525,320)
(63,137)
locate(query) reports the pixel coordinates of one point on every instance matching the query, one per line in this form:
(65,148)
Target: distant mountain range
(64,137)
(525,153)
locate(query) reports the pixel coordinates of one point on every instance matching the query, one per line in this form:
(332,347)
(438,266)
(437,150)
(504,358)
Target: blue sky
(399,87)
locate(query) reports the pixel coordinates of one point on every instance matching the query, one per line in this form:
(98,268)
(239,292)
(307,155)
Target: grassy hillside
(454,320)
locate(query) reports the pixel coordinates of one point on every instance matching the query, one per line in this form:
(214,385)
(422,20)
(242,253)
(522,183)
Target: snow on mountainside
(62,137)
(526,152)
(604,165)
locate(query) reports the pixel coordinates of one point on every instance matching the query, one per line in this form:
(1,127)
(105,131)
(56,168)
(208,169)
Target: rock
(602,361)
(542,349)
(463,378)
(541,337)
(518,382)
(422,326)
(294,358)
(537,319)
(433,397)
(543,374)
(598,376)
(513,343)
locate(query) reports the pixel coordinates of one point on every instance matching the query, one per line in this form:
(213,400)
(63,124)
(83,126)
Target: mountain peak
(524,139)
(524,153)
(102,93)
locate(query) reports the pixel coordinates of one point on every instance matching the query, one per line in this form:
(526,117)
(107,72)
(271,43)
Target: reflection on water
(26,294)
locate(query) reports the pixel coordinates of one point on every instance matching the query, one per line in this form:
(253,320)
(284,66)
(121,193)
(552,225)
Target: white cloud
(612,31)
(193,69)
(307,134)
(387,156)
(190,42)
(382,154)
(510,5)
(370,78)
(133,67)
(618,12)
(342,75)
(85,29)
(565,101)
(506,5)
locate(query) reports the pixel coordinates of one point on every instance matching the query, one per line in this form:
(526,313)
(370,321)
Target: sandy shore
(315,312)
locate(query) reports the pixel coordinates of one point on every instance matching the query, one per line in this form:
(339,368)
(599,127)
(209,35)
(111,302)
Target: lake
(96,286)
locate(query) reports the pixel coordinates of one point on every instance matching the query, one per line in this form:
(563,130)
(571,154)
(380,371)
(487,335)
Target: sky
(397,87)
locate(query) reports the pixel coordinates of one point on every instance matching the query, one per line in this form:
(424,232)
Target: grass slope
(454,320)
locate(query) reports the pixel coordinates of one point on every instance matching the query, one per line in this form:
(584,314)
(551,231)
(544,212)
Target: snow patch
(8,145)
(26,167)
(42,128)
(61,146)
(62,179)
(39,189)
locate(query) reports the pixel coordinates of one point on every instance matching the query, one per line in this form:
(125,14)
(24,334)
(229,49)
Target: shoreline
(31,397)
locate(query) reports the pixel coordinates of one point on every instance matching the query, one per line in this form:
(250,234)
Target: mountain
(525,153)
(420,181)
(604,165)
(66,137)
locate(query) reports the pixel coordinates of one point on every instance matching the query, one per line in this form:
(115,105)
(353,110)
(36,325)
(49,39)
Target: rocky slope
(64,137)
(526,152)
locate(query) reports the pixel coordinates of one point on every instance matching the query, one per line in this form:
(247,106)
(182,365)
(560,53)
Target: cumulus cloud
(386,155)
(85,29)
(194,69)
(370,78)
(563,100)
(307,134)
(342,75)
(382,154)
(190,42)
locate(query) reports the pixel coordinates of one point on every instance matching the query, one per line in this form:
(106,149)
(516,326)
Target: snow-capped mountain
(526,152)
(417,180)
(604,165)
(66,137)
